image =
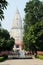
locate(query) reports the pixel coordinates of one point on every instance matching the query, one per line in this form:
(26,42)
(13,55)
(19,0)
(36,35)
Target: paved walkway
(22,62)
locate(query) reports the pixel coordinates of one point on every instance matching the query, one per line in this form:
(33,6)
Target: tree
(6,43)
(33,25)
(3,5)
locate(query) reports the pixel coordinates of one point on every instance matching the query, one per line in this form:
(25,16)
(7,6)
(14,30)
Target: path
(23,62)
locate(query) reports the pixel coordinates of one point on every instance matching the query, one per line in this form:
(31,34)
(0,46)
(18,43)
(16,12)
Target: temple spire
(17,11)
(17,22)
(17,30)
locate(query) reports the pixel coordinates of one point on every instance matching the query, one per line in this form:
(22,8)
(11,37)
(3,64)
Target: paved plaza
(22,62)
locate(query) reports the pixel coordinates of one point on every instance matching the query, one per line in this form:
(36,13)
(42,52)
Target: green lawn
(40,56)
(1,59)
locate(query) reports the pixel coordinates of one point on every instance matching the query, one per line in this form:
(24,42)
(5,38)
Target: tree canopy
(33,25)
(6,43)
(3,5)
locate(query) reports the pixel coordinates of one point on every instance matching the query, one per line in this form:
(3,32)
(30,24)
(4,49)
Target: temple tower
(17,31)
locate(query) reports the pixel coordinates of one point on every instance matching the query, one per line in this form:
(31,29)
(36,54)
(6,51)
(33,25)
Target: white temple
(17,31)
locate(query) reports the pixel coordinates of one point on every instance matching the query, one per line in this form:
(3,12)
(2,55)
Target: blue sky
(10,12)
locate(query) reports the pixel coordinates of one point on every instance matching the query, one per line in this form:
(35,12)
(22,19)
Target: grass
(1,59)
(40,56)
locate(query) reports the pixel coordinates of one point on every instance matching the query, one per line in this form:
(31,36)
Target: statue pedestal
(22,53)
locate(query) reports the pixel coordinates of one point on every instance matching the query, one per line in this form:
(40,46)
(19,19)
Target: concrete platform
(18,57)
